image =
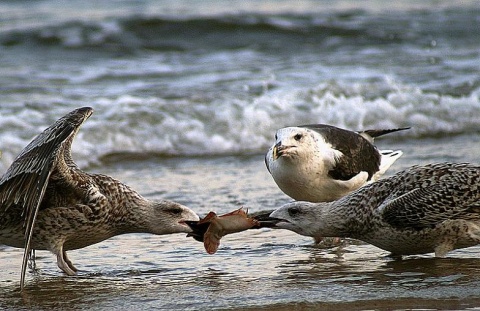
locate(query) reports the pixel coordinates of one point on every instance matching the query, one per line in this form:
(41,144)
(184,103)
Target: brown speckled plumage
(431,208)
(48,203)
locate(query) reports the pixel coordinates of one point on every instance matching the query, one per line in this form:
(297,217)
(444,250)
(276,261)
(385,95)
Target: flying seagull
(322,163)
(48,203)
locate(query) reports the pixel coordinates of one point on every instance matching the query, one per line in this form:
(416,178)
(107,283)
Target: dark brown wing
(358,153)
(357,147)
(23,186)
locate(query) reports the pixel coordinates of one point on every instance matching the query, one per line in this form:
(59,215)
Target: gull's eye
(293,211)
(297,137)
(175,210)
(276,137)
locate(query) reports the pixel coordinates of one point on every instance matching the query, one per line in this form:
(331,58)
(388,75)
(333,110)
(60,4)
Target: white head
(169,217)
(293,142)
(302,217)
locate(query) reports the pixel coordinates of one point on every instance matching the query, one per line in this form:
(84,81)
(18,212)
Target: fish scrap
(212,228)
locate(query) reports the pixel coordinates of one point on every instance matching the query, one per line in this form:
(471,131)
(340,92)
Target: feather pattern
(47,202)
(445,195)
(423,209)
(23,186)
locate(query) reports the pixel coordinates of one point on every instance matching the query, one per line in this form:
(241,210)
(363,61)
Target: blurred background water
(187,97)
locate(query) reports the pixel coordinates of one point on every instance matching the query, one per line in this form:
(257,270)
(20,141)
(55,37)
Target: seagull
(322,163)
(48,203)
(433,208)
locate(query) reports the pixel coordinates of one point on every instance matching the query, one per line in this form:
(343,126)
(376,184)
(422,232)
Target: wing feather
(456,196)
(23,186)
(358,153)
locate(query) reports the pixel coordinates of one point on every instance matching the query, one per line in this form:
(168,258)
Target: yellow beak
(278,150)
(275,153)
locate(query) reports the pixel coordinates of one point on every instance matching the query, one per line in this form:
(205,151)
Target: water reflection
(364,274)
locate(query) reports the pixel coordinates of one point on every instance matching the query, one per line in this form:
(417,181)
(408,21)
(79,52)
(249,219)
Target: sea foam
(130,124)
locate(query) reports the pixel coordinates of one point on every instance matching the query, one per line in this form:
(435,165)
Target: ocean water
(187,97)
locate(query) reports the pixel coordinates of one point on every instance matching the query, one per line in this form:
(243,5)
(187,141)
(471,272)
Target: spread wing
(23,186)
(426,207)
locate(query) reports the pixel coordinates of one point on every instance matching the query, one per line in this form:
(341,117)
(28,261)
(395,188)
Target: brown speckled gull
(423,209)
(48,203)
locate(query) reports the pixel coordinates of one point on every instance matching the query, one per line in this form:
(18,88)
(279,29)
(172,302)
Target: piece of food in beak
(212,228)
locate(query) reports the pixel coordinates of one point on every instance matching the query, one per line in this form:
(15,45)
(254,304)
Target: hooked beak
(278,150)
(264,219)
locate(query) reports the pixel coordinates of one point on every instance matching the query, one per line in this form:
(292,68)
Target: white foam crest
(238,126)
(359,106)
(385,104)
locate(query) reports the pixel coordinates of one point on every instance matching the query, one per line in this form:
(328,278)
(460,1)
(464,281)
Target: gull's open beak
(198,230)
(278,150)
(263,217)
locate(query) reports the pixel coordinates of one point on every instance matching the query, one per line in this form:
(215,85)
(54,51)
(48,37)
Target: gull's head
(300,217)
(292,142)
(170,217)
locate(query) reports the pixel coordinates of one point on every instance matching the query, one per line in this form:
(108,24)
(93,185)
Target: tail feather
(371,134)
(388,158)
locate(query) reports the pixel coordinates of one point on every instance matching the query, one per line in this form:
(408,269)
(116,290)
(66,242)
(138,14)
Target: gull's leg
(64,263)
(69,262)
(32,265)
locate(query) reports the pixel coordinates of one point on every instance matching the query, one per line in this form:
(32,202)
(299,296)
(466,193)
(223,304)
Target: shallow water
(257,269)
